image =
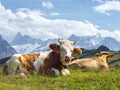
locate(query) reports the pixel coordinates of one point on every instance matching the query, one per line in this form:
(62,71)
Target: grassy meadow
(86,79)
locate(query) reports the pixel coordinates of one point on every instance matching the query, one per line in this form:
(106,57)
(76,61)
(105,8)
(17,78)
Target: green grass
(86,79)
(115,61)
(78,80)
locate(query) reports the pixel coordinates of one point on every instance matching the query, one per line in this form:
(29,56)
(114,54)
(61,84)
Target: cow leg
(105,68)
(65,72)
(56,71)
(12,69)
(49,71)
(5,67)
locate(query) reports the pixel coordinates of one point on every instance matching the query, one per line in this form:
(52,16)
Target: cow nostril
(66,57)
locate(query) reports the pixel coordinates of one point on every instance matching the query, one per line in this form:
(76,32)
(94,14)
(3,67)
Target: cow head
(66,49)
(76,53)
(105,55)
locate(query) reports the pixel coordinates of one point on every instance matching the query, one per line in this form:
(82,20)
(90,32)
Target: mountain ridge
(93,42)
(5,48)
(87,42)
(24,39)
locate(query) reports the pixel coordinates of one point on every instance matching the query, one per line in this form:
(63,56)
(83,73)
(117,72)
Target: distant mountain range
(90,45)
(93,42)
(23,40)
(27,44)
(5,48)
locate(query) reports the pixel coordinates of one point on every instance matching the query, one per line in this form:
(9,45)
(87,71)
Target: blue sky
(48,17)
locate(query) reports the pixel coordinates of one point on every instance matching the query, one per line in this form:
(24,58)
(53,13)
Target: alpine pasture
(86,79)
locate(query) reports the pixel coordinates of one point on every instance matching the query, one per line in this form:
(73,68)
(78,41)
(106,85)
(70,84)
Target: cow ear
(53,46)
(97,54)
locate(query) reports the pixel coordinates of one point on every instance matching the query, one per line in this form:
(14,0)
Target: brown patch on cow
(27,61)
(46,70)
(55,47)
(51,61)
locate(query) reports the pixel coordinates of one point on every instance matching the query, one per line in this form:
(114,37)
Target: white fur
(65,52)
(40,60)
(69,53)
(56,71)
(13,64)
(66,49)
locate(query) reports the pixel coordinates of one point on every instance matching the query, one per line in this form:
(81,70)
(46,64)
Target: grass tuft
(78,80)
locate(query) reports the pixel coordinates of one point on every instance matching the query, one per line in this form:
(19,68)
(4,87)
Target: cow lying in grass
(52,62)
(100,61)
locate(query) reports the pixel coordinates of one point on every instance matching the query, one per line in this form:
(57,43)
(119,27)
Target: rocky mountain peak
(5,48)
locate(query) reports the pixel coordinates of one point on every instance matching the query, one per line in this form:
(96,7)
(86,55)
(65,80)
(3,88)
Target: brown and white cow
(52,62)
(100,61)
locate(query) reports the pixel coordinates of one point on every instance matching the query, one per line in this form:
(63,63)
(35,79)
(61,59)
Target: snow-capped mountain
(93,42)
(33,48)
(5,48)
(88,42)
(23,40)
(111,43)
(26,48)
(27,44)
(45,45)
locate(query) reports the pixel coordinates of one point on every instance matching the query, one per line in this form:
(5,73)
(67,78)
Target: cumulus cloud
(108,6)
(33,23)
(47,4)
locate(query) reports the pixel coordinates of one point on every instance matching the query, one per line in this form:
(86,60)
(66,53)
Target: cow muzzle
(67,59)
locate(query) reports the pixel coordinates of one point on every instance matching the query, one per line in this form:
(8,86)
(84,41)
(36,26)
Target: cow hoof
(65,72)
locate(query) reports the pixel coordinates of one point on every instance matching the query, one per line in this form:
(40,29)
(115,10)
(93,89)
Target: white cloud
(33,23)
(54,14)
(47,4)
(108,6)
